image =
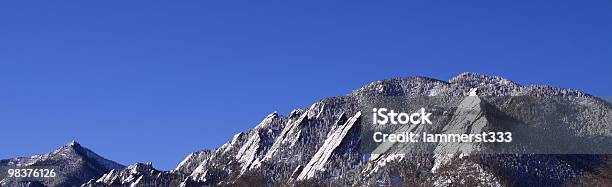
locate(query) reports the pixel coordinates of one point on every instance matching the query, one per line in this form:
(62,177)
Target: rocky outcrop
(139,174)
(337,136)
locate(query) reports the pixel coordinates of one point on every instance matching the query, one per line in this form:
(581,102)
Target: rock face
(337,136)
(139,174)
(73,163)
(320,145)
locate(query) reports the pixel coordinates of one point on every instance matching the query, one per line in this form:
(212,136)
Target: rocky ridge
(320,144)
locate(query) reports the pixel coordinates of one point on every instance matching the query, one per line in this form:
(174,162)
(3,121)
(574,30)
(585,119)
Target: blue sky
(153,81)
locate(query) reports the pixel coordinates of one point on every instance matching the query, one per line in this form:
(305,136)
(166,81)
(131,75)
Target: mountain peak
(466,75)
(75,159)
(477,78)
(470,74)
(273,115)
(72,144)
(458,85)
(75,151)
(72,149)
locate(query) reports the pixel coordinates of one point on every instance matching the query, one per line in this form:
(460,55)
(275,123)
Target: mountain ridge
(77,165)
(318,145)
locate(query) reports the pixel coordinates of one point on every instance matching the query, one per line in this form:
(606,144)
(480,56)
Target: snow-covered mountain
(320,145)
(73,163)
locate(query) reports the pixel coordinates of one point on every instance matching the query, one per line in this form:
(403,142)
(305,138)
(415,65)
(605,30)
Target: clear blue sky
(141,81)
